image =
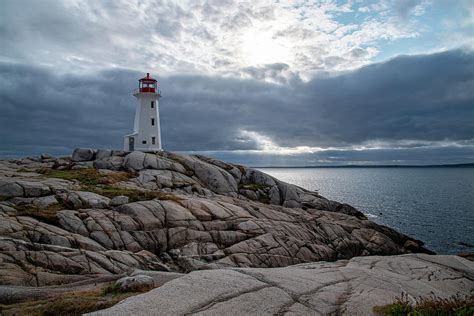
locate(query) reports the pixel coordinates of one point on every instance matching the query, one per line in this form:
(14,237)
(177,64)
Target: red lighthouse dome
(148,84)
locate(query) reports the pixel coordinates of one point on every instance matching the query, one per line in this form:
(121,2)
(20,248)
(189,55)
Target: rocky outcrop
(206,175)
(63,221)
(137,283)
(345,287)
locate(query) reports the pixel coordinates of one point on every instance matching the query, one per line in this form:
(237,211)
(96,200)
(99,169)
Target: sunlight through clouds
(261,48)
(266,146)
(203,37)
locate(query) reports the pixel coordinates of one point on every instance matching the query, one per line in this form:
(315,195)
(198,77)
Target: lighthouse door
(131,143)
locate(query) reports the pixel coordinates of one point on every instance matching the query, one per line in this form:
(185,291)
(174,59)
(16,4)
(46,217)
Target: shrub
(45,214)
(112,288)
(253,186)
(72,303)
(88,176)
(454,305)
(133,194)
(93,181)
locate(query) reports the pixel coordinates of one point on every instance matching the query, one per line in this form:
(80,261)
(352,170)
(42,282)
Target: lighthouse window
(144,142)
(153,122)
(152,104)
(153,140)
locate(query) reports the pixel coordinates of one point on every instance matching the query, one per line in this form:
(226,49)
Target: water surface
(435,205)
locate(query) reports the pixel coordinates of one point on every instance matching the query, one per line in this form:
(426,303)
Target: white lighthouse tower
(146,134)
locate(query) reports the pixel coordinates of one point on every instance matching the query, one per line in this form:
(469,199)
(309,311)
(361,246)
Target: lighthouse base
(131,143)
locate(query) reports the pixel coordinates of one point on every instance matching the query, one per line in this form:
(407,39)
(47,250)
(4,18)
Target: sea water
(435,205)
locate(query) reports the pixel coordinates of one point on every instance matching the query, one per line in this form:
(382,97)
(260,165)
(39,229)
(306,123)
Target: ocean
(435,205)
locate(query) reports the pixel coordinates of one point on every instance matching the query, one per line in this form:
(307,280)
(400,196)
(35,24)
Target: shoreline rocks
(63,221)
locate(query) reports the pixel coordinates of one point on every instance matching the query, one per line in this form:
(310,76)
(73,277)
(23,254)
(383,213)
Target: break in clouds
(400,111)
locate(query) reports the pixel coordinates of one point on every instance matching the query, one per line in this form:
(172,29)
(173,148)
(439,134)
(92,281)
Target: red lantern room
(148,84)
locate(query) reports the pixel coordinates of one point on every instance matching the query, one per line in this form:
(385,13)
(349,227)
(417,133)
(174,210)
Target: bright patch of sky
(266,146)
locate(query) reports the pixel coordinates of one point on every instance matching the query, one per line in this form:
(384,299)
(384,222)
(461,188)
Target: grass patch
(253,186)
(89,176)
(241,168)
(133,195)
(262,194)
(26,170)
(112,288)
(73,303)
(45,214)
(265,199)
(93,181)
(455,305)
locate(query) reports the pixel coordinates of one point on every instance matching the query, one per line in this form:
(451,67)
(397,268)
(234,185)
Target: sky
(262,83)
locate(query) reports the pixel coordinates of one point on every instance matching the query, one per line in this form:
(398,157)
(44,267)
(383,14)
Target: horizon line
(470,164)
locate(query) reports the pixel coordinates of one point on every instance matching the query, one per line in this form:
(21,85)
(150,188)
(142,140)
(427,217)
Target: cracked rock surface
(167,212)
(345,287)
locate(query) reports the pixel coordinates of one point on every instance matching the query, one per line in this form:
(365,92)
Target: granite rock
(136,283)
(83,154)
(119,200)
(171,213)
(345,287)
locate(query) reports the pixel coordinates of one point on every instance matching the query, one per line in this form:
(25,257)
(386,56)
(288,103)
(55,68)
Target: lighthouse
(146,134)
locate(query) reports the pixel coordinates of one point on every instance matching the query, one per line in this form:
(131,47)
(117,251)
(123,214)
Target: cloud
(187,37)
(398,8)
(410,104)
(404,7)
(388,156)
(276,73)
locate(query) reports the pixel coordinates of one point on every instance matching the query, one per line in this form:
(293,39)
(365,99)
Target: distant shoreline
(463,165)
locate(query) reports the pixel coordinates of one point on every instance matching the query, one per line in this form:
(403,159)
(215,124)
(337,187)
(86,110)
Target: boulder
(110,163)
(83,154)
(119,200)
(190,264)
(45,201)
(13,187)
(134,161)
(9,188)
(34,188)
(136,283)
(80,199)
(103,153)
(212,177)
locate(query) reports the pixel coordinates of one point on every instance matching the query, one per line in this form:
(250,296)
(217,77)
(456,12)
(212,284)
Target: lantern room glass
(147,86)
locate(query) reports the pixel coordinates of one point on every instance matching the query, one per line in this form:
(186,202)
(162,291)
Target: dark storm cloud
(428,97)
(43,110)
(424,99)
